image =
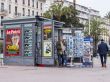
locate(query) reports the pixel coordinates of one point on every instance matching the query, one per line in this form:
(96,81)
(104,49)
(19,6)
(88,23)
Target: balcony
(3,12)
(3,0)
(17,14)
(42,0)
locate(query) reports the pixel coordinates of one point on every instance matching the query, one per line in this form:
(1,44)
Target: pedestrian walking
(103,50)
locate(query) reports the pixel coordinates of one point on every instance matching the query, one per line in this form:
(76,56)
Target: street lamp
(89,19)
(74,5)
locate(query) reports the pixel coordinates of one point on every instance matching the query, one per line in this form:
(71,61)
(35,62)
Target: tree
(108,17)
(1,47)
(95,31)
(64,14)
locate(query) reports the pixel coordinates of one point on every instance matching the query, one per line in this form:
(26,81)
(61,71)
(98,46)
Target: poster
(47,31)
(47,48)
(88,45)
(70,45)
(12,42)
(79,43)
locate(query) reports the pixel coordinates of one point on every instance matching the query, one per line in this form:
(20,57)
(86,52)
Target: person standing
(60,49)
(64,52)
(103,50)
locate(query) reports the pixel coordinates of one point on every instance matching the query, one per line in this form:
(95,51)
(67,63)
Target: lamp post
(89,19)
(74,5)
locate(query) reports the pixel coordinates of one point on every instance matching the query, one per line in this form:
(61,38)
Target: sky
(101,5)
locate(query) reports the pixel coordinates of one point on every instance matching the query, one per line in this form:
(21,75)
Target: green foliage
(1,47)
(108,15)
(64,14)
(95,28)
(95,31)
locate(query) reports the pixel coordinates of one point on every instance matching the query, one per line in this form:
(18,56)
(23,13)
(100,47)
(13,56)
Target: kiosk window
(47,33)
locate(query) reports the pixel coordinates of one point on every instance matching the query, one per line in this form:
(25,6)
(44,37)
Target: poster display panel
(28,41)
(47,50)
(13,42)
(79,43)
(47,39)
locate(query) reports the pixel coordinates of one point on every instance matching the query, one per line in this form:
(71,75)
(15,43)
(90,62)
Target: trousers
(103,58)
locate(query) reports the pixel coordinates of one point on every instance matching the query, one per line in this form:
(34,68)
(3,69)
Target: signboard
(12,42)
(67,30)
(88,39)
(47,48)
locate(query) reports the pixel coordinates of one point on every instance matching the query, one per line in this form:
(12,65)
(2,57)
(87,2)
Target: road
(55,74)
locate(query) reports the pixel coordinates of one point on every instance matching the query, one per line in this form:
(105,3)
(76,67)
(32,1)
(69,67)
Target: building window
(2,6)
(28,2)
(1,33)
(37,4)
(28,12)
(36,13)
(15,1)
(32,3)
(16,11)
(23,1)
(23,11)
(9,8)
(32,13)
(41,6)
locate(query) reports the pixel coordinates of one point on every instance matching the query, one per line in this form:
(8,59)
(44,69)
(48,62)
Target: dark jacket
(102,48)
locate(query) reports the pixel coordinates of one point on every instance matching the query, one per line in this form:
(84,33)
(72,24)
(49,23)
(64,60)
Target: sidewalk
(55,74)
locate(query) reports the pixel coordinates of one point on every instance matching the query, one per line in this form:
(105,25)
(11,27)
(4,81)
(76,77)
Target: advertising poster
(47,48)
(70,48)
(79,41)
(47,30)
(88,45)
(12,42)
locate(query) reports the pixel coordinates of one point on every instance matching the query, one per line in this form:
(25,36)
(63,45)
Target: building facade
(17,8)
(106,25)
(20,8)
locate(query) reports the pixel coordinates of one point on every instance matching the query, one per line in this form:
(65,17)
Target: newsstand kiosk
(30,41)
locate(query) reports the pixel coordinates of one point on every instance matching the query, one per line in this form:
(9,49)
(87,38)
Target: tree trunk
(95,46)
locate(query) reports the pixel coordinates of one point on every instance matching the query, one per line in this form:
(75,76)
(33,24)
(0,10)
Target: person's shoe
(105,65)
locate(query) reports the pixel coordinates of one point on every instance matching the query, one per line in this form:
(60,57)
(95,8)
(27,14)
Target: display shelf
(28,42)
